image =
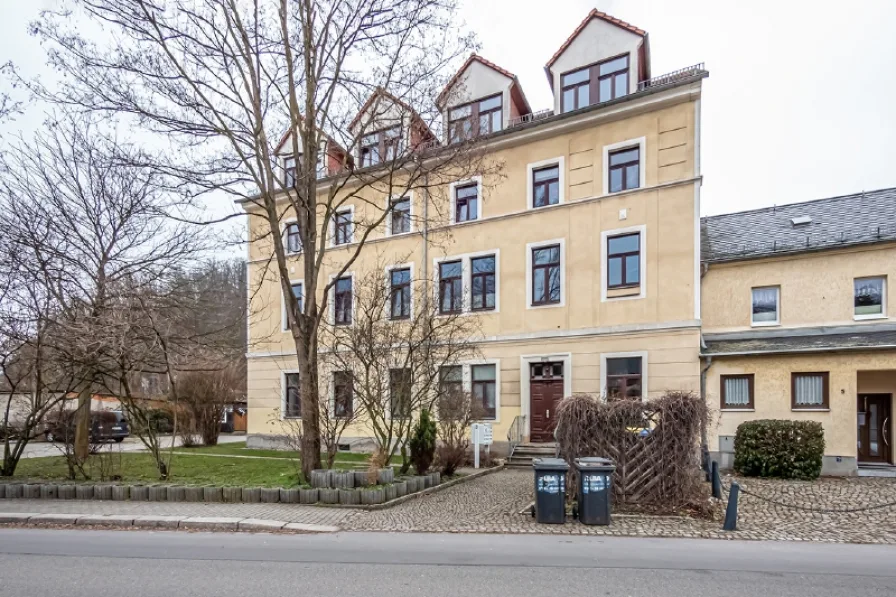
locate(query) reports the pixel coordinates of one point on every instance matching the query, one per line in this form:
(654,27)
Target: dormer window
(380,146)
(476,118)
(597,83)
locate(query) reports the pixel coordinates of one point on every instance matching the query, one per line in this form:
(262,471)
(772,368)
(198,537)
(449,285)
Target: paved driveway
(37,449)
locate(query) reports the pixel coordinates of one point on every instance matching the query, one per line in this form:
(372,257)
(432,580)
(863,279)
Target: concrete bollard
(401,488)
(102,492)
(329,495)
(270,495)
(139,493)
(49,491)
(31,491)
(389,493)
(212,494)
(289,496)
(320,478)
(121,493)
(427,481)
(193,494)
(361,478)
(372,496)
(158,493)
(731,511)
(344,480)
(66,492)
(716,481)
(309,496)
(14,491)
(84,492)
(177,493)
(348,497)
(385,476)
(232,494)
(435,478)
(251,495)
(2,490)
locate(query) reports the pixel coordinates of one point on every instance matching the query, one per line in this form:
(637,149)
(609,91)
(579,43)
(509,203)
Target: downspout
(704,439)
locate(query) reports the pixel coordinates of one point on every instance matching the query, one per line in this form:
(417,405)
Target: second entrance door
(545,391)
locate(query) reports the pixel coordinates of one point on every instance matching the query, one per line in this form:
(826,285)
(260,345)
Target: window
(546,275)
(809,390)
(292,401)
(546,186)
(297,292)
(765,306)
(451,380)
(624,261)
(476,118)
(482,281)
(343,301)
(597,83)
(400,218)
(400,293)
(400,393)
(737,392)
(450,287)
(624,377)
(289,171)
(342,228)
(466,203)
(625,169)
(484,389)
(870,297)
(343,394)
(380,146)
(293,240)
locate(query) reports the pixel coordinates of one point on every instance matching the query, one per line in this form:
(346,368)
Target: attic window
(801,220)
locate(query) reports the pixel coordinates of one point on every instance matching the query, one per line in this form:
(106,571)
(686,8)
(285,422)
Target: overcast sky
(799,103)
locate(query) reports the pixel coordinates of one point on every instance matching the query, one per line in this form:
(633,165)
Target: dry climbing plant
(655,445)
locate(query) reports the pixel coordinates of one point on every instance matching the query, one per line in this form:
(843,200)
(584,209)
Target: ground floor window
(292,401)
(624,377)
(809,390)
(737,391)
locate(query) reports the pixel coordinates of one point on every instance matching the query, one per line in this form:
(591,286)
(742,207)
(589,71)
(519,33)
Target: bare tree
(457,411)
(88,224)
(396,352)
(221,81)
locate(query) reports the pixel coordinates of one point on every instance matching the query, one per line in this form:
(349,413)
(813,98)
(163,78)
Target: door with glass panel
(874,433)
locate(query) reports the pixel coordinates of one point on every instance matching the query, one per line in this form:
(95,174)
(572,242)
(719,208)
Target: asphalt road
(36,449)
(86,563)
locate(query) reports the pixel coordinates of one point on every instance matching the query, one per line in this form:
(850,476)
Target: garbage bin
(595,475)
(550,490)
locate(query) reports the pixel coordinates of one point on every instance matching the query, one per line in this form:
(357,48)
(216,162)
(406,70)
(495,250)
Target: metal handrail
(673,77)
(530,117)
(515,433)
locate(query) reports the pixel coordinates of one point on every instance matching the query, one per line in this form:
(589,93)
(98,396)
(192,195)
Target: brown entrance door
(874,430)
(545,390)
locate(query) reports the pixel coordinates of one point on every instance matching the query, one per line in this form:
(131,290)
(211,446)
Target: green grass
(193,469)
(240,449)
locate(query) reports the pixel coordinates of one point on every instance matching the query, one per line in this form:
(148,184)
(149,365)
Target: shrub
(423,443)
(779,448)
(457,411)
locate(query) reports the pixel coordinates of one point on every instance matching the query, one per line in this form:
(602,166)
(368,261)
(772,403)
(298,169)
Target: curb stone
(257,524)
(110,520)
(158,522)
(210,523)
(16,517)
(164,522)
(54,518)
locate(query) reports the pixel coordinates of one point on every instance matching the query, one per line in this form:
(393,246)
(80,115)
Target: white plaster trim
(331,298)
(526,391)
(453,198)
(389,270)
(641,143)
(332,227)
(645,388)
(410,197)
(603,253)
(766,324)
(883,300)
(283,326)
(283,374)
(529,248)
(560,162)
(467,279)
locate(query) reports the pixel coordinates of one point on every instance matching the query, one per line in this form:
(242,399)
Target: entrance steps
(524,453)
(877,470)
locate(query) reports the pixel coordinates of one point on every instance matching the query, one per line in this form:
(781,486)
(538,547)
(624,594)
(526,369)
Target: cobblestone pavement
(492,504)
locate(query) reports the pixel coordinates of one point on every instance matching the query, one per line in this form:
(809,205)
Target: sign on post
(482,435)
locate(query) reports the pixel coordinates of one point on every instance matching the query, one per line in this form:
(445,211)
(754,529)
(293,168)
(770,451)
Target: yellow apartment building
(796,318)
(585,248)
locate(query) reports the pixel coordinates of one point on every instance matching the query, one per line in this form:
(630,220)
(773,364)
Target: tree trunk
(82,425)
(310,414)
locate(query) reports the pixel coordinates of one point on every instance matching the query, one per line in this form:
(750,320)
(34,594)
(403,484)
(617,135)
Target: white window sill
(291,418)
(396,234)
(869,317)
(632,297)
(765,324)
(737,410)
(810,410)
(614,193)
(550,306)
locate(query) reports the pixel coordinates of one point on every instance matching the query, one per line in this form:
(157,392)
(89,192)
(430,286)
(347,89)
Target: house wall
(598,41)
(816,288)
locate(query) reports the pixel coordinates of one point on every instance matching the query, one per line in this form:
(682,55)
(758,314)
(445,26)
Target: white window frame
(560,162)
(538,245)
(526,390)
(645,389)
(641,144)
(286,225)
(605,237)
(452,188)
(331,298)
(283,374)
(765,324)
(331,402)
(389,270)
(467,374)
(283,326)
(883,299)
(467,280)
(410,197)
(332,226)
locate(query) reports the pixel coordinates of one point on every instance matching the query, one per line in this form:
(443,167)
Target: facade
(796,323)
(588,238)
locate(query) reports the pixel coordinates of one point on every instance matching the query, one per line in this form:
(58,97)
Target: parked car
(105,425)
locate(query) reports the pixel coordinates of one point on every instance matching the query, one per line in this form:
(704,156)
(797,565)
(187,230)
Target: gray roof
(863,218)
(856,337)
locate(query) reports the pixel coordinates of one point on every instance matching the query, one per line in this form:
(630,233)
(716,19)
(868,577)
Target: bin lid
(550,464)
(594,462)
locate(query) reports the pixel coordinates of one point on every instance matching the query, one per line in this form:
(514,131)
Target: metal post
(716,481)
(707,465)
(731,510)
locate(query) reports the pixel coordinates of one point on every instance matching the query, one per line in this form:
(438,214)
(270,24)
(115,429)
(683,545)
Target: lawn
(202,466)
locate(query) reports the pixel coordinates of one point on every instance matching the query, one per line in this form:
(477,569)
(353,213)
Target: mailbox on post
(482,436)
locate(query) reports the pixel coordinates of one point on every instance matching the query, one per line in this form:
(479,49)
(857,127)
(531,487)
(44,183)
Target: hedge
(779,448)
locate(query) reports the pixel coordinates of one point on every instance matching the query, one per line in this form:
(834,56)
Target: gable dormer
(604,59)
(385,128)
(330,157)
(481,98)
